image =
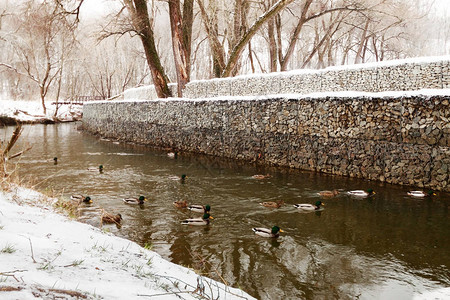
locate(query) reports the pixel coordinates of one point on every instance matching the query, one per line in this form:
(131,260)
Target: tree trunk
(217,51)
(272,46)
(358,57)
(181,29)
(42,93)
(294,36)
(141,23)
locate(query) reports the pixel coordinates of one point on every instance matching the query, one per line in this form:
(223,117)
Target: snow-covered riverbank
(32,112)
(45,255)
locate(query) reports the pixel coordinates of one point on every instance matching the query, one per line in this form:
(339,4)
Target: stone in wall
(224,87)
(238,86)
(446,74)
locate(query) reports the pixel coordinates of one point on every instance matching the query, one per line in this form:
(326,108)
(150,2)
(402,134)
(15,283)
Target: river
(387,246)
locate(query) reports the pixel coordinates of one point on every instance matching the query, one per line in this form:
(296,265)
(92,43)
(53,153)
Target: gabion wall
(399,75)
(396,139)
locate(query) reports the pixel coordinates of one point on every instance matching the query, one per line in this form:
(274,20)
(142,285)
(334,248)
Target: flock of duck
(273,232)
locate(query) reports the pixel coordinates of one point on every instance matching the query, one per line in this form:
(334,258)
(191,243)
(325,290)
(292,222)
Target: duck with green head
(310,207)
(134,200)
(81,199)
(266,232)
(421,194)
(198,221)
(181,178)
(200,208)
(361,193)
(99,169)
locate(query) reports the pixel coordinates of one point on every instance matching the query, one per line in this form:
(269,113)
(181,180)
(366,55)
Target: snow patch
(44,254)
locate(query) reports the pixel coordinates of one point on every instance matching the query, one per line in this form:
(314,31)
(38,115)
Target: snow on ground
(31,111)
(46,255)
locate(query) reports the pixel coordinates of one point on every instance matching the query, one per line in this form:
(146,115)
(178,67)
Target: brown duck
(180,203)
(272,204)
(110,218)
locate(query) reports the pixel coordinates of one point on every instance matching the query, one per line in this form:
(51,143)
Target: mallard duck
(133,200)
(421,194)
(172,154)
(266,232)
(309,207)
(198,221)
(272,204)
(182,178)
(328,194)
(93,169)
(180,203)
(361,193)
(199,208)
(81,199)
(260,176)
(110,218)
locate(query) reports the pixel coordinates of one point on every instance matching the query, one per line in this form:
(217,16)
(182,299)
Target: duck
(182,178)
(110,218)
(198,221)
(272,204)
(81,199)
(260,176)
(199,208)
(172,154)
(309,207)
(328,194)
(361,193)
(421,194)
(93,169)
(180,203)
(134,200)
(266,232)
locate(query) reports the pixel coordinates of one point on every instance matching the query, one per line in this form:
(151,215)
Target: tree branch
(239,48)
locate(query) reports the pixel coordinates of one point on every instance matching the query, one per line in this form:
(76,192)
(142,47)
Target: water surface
(389,246)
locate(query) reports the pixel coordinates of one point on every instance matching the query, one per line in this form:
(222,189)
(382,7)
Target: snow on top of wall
(318,95)
(373,65)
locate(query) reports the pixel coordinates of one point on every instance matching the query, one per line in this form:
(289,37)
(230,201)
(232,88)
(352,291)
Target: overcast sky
(98,7)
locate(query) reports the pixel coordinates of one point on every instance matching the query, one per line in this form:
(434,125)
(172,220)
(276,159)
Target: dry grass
(8,170)
(9,289)
(70,208)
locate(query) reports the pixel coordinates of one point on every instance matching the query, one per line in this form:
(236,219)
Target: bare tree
(237,45)
(140,21)
(37,43)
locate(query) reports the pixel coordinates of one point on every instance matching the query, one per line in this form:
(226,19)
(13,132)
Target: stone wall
(400,75)
(397,138)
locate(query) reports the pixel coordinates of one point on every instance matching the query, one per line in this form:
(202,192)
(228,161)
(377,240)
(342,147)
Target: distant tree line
(49,50)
